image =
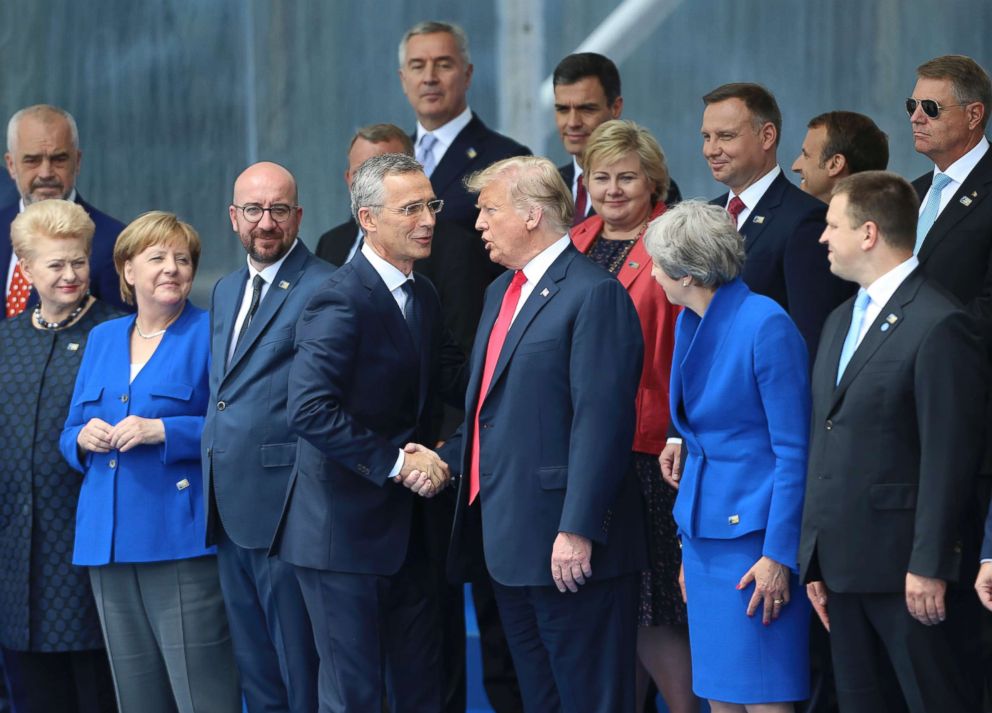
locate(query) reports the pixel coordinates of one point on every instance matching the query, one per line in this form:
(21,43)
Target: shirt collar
(71,199)
(269,272)
(959,170)
(882,289)
(447,133)
(539,264)
(390,274)
(752,194)
(577,168)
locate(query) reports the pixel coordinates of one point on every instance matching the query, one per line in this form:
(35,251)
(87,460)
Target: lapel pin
(471,153)
(182,484)
(974,194)
(965,201)
(544,292)
(283,285)
(891,319)
(633,264)
(734,520)
(884,327)
(72,347)
(759,219)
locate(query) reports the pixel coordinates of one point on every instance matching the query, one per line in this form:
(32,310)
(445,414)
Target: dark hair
(856,137)
(885,199)
(970,82)
(380,133)
(758,100)
(580,65)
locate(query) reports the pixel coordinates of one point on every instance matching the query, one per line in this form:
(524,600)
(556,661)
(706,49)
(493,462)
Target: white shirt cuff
(397,466)
(673,442)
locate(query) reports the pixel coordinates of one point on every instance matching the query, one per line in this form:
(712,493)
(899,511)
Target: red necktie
(580,202)
(496,339)
(735,208)
(17,297)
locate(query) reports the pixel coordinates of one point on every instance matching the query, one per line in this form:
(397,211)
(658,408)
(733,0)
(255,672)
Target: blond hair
(55,218)
(153,228)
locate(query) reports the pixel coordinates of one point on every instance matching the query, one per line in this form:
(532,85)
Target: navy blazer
(248,448)
(104,283)
(476,147)
(785,260)
(144,505)
(556,427)
(359,390)
(746,466)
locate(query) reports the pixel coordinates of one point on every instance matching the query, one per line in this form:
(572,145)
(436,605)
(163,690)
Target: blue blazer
(556,427)
(145,505)
(248,448)
(740,399)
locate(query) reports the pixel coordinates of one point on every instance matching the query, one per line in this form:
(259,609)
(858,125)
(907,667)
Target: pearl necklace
(55,326)
(141,334)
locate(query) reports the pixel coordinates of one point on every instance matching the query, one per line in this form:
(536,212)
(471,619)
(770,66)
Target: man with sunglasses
(248,448)
(948,112)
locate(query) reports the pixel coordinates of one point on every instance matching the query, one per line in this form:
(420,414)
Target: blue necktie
(411,312)
(425,153)
(851,341)
(930,210)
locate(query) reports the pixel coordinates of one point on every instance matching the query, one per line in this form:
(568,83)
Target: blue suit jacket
(248,448)
(785,260)
(556,427)
(104,283)
(145,505)
(359,390)
(740,399)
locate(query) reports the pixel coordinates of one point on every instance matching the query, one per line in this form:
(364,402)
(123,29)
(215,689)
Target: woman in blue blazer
(740,400)
(133,429)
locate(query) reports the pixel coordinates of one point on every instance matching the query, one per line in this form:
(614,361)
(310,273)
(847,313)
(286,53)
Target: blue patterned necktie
(411,312)
(425,153)
(851,341)
(930,210)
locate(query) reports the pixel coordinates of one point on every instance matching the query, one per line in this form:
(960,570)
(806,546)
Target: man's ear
(836,165)
(366,220)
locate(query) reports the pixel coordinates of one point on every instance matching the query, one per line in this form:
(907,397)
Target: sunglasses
(929,106)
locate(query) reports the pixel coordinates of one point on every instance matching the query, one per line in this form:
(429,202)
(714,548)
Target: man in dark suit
(898,399)
(839,144)
(248,448)
(546,500)
(43,159)
(587,94)
(370,356)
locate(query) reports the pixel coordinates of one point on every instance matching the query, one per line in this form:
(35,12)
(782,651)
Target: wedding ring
(778,601)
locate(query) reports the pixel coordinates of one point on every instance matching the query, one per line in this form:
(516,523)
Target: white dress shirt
(881,291)
(752,194)
(445,134)
(957,172)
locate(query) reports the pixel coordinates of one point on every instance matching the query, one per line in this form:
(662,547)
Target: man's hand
(136,431)
(925,598)
(571,561)
(983,585)
(423,471)
(670,461)
(771,586)
(817,594)
(94,437)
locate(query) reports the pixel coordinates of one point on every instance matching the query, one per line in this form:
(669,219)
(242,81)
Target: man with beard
(43,159)
(248,449)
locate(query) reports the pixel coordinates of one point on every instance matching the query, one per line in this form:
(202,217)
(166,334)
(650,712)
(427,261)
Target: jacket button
(123,398)
(112,463)
(210,452)
(829,424)
(221,405)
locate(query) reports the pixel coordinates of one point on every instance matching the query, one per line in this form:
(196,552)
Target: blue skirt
(735,658)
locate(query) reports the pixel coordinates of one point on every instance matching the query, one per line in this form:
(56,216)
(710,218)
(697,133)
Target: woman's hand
(771,585)
(94,437)
(682,583)
(136,431)
(670,462)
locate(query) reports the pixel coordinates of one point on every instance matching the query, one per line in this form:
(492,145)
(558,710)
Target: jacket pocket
(277,455)
(89,395)
(892,496)
(542,346)
(555,478)
(178,391)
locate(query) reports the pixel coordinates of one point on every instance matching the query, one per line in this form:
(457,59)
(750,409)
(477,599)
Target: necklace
(159,333)
(55,326)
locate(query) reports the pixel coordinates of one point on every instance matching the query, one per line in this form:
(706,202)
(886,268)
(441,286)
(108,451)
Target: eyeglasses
(408,211)
(929,106)
(253,213)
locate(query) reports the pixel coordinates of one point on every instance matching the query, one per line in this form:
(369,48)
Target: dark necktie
(256,297)
(735,208)
(411,312)
(581,199)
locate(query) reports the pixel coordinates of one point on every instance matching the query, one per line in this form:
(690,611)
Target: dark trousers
(60,682)
(273,639)
(376,636)
(873,639)
(573,652)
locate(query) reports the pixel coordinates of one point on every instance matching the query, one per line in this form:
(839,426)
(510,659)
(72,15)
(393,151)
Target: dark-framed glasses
(929,106)
(435,206)
(253,212)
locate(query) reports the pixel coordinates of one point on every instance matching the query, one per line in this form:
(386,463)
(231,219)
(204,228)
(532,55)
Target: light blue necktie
(425,153)
(851,341)
(930,210)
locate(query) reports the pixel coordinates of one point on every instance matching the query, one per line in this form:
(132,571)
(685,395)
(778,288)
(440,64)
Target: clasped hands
(423,471)
(98,436)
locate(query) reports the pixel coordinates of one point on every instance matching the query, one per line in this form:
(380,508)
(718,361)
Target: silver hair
(533,181)
(429,27)
(43,112)
(366,183)
(698,240)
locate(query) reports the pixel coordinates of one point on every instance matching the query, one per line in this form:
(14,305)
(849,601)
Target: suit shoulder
(803,202)
(316,270)
(105,224)
(497,145)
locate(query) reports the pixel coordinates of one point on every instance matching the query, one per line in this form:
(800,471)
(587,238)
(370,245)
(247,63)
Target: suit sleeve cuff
(397,466)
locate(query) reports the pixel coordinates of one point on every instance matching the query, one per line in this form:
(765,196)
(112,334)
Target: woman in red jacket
(626,176)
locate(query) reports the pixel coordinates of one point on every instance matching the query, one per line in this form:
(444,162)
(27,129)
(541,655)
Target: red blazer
(657,316)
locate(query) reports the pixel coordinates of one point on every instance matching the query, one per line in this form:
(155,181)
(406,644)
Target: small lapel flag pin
(72,347)
(633,264)
(891,319)
(965,201)
(471,153)
(759,219)
(283,285)
(544,292)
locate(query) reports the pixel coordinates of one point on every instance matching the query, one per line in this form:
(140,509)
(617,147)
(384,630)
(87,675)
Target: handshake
(423,471)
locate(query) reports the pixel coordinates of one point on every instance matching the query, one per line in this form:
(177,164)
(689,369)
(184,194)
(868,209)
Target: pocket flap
(893,496)
(180,391)
(555,478)
(275,455)
(542,346)
(90,394)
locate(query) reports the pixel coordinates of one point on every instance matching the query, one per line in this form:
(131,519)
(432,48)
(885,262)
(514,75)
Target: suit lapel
(490,311)
(762,214)
(973,191)
(393,322)
(462,152)
(230,293)
(425,296)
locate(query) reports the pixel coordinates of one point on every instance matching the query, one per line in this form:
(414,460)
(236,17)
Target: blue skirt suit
(140,522)
(740,400)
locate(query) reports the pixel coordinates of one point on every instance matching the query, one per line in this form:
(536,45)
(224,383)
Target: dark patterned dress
(660,601)
(46,604)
